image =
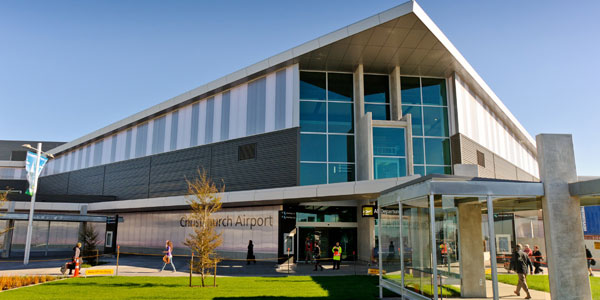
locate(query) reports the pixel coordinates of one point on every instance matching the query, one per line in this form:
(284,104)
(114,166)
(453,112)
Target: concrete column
(7,236)
(365,232)
(567,266)
(359,93)
(472,268)
(364,148)
(395,97)
(409,146)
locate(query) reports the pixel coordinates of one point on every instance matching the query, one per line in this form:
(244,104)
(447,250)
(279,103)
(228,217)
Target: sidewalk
(150,266)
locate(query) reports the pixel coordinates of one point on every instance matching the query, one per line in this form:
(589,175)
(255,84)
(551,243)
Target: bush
(11,282)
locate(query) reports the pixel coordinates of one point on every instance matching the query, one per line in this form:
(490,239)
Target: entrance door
(327,237)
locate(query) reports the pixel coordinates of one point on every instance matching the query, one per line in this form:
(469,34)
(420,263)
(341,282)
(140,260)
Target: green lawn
(540,283)
(297,287)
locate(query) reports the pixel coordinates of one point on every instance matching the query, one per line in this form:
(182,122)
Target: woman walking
(168,258)
(250,254)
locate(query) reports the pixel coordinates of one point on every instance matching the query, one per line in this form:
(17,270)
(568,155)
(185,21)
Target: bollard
(288,257)
(118,249)
(76,274)
(191,267)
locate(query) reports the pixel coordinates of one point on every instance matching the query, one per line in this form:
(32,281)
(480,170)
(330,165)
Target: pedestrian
(519,263)
(391,251)
(537,260)
(337,255)
(317,256)
(308,250)
(250,255)
(529,253)
(168,258)
(75,258)
(375,258)
(590,260)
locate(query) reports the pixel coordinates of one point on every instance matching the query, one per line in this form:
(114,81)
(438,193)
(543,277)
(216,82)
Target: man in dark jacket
(520,262)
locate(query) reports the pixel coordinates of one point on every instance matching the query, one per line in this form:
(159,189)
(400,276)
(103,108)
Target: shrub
(11,282)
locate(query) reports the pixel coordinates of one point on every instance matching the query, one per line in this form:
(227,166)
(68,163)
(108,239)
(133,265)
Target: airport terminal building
(302,141)
(305,142)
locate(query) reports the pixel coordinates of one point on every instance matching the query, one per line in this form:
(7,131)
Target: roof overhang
(588,191)
(402,36)
(449,185)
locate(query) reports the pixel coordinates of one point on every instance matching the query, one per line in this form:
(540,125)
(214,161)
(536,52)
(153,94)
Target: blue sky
(68,68)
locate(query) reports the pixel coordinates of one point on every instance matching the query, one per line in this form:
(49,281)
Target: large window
(389,152)
(327,128)
(425,99)
(377,96)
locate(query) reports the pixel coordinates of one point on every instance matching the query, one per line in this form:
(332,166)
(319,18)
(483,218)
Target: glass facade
(389,152)
(377,96)
(425,99)
(326,128)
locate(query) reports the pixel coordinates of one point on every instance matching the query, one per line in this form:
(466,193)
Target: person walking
(317,256)
(590,260)
(391,251)
(168,258)
(529,253)
(75,258)
(519,263)
(536,255)
(308,250)
(250,255)
(337,255)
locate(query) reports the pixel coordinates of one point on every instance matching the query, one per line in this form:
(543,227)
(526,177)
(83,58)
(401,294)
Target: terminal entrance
(326,238)
(326,225)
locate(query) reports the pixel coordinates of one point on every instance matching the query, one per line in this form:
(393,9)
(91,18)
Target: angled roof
(401,36)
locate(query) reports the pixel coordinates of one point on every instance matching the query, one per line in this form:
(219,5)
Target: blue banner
(30,163)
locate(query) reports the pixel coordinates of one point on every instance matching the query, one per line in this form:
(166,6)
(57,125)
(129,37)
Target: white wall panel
(238,107)
(202,124)
(477,122)
(216,134)
(270,103)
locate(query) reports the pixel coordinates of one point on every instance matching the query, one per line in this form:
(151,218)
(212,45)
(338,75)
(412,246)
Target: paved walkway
(150,266)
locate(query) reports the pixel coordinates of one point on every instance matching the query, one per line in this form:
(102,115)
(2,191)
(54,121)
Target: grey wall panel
(127,179)
(86,181)
(465,152)
(54,184)
(170,170)
(275,165)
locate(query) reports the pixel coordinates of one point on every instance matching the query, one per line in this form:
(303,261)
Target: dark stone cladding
(276,165)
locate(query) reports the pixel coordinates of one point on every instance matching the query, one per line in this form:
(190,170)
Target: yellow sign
(596,245)
(368,211)
(93,272)
(375,272)
(488,271)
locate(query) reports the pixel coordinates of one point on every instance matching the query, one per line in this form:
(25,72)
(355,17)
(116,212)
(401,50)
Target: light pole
(36,173)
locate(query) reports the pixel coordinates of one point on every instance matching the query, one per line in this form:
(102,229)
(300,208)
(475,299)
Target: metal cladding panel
(275,165)
(128,179)
(54,184)
(87,181)
(170,170)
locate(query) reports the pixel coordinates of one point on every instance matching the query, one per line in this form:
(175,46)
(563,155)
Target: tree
(89,240)
(204,199)
(3,200)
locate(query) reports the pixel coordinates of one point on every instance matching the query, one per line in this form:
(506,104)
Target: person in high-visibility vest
(337,255)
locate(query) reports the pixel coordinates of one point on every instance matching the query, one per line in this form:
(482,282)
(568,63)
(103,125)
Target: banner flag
(30,168)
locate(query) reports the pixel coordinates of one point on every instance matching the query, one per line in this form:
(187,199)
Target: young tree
(204,199)
(89,241)
(3,196)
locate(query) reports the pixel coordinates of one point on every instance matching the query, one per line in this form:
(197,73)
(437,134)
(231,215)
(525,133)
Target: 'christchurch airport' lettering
(240,221)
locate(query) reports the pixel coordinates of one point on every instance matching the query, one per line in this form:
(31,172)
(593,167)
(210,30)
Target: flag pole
(32,205)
